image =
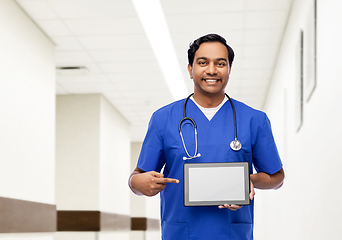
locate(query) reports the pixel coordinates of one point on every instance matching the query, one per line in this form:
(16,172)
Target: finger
(158,187)
(171,180)
(167,180)
(157,174)
(224,206)
(235,206)
(252,193)
(232,207)
(154,191)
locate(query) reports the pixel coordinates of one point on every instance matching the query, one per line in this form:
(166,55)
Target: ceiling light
(72,71)
(154,23)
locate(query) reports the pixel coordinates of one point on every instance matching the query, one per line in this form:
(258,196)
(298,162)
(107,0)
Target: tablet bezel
(186,168)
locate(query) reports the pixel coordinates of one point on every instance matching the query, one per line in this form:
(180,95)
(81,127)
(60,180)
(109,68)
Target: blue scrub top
(163,147)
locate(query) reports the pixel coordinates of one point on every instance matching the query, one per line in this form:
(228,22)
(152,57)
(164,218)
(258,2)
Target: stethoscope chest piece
(235,145)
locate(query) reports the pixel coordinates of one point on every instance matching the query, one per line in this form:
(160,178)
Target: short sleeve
(151,157)
(265,153)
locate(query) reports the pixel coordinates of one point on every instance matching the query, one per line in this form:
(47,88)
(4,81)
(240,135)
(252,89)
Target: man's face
(210,69)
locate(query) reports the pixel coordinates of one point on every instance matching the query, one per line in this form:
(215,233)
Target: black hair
(193,47)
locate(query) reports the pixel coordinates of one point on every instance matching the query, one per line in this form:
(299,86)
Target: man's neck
(209,101)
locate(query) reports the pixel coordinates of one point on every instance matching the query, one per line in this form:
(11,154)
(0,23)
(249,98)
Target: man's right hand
(150,183)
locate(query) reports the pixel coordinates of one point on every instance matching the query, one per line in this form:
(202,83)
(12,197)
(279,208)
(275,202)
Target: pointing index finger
(168,180)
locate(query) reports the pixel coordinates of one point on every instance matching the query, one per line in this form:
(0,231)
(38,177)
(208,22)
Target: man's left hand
(234,207)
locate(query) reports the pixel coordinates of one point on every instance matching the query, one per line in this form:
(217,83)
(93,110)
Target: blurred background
(80,79)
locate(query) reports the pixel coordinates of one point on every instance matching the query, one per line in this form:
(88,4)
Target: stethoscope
(234,145)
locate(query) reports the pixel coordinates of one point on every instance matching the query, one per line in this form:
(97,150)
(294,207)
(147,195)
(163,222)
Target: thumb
(252,193)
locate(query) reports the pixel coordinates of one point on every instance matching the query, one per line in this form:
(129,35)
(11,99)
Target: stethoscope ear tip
(198,155)
(184,158)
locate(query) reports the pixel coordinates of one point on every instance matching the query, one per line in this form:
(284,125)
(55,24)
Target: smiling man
(210,62)
(210,70)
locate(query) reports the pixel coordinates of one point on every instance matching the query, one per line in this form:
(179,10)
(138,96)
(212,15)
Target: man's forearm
(263,180)
(136,171)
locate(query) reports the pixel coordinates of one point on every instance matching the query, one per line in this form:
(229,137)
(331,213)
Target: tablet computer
(214,184)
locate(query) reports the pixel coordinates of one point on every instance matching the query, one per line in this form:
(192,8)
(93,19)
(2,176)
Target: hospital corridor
(81,80)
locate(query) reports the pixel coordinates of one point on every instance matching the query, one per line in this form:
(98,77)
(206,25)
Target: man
(210,62)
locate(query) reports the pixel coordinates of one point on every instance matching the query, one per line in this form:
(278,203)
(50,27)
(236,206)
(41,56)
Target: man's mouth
(211,80)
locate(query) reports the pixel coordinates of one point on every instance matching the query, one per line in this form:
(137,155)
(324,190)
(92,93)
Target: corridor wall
(145,211)
(308,205)
(92,166)
(27,123)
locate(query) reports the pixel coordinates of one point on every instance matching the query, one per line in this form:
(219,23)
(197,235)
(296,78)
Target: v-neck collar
(210,113)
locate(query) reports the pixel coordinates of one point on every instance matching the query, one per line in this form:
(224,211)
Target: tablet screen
(207,184)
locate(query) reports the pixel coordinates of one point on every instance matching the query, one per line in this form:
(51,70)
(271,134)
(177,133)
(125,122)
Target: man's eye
(221,64)
(201,63)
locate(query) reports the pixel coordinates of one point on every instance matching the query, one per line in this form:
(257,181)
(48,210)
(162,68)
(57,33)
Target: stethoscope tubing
(184,115)
(235,144)
(231,103)
(193,122)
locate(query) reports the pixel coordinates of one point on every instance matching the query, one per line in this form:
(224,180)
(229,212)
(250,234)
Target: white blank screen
(216,183)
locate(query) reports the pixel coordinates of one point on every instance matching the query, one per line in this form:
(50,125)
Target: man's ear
(190,70)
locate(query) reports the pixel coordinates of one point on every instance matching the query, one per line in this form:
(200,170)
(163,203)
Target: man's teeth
(211,80)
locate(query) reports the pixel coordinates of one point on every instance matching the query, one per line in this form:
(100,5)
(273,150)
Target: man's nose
(211,69)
